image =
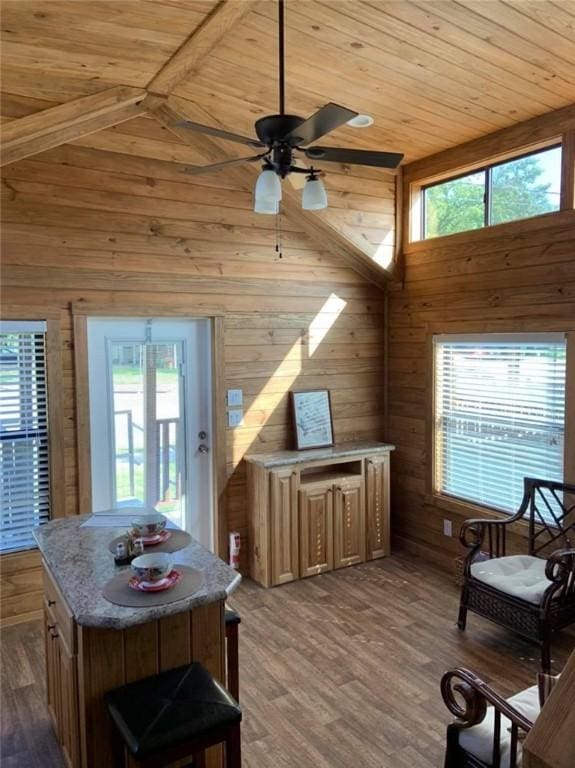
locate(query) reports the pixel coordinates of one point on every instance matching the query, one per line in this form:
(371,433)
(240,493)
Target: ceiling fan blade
(195,169)
(326,119)
(218,133)
(354,156)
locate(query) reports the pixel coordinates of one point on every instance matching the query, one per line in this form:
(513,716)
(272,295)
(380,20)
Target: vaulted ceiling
(433,74)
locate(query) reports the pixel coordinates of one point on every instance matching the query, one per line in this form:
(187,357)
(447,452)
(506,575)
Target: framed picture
(312,421)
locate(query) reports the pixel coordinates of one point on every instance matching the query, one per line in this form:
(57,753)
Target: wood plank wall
(83,223)
(513,277)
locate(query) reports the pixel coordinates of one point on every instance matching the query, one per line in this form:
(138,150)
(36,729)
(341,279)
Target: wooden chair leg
(462,618)
(232,654)
(234,748)
(546,652)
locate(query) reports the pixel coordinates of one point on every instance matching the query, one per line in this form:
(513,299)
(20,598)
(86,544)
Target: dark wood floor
(338,671)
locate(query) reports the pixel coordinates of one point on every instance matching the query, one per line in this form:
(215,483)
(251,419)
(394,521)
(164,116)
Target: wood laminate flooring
(337,671)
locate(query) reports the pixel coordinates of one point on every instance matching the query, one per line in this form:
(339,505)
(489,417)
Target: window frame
(479,339)
(54,382)
(539,132)
(487,169)
(463,507)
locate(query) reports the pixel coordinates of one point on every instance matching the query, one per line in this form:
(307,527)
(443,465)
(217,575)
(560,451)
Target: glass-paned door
(150,405)
(149,426)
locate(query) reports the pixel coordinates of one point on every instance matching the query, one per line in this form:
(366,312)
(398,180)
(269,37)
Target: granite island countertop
(338,451)
(81,564)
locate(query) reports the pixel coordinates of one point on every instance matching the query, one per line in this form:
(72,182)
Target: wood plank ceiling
(433,74)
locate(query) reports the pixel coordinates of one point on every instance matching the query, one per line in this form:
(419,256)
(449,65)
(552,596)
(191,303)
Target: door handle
(203,448)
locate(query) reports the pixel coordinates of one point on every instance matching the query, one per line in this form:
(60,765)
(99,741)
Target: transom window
(499,415)
(525,186)
(24,459)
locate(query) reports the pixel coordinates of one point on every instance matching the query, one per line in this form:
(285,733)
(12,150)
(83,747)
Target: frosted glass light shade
(266,206)
(314,196)
(268,187)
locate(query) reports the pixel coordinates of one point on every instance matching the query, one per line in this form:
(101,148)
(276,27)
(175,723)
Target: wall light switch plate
(235,397)
(235,418)
(447,528)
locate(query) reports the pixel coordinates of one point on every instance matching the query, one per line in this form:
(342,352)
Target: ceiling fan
(283,137)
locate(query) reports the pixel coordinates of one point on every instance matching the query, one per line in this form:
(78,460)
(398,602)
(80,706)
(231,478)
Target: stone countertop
(281,458)
(81,564)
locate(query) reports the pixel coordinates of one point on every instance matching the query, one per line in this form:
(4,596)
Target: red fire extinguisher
(235,549)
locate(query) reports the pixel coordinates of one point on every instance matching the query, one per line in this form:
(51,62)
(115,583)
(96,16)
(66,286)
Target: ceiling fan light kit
(283,136)
(268,186)
(314,196)
(269,207)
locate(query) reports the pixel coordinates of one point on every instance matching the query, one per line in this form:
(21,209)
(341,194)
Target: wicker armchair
(487,730)
(532,594)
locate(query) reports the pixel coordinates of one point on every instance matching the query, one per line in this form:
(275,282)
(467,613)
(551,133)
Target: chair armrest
(560,570)
(474,696)
(474,532)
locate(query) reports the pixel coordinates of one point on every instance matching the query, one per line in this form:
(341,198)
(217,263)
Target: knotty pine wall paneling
(509,278)
(109,227)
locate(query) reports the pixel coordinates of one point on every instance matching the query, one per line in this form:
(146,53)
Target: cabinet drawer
(58,609)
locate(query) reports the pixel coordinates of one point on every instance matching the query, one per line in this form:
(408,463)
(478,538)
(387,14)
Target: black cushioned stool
(232,652)
(176,715)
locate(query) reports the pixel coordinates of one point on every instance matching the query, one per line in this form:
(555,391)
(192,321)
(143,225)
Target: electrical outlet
(235,418)
(235,397)
(447,528)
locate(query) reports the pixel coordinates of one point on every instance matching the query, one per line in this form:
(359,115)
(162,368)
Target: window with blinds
(24,460)
(499,415)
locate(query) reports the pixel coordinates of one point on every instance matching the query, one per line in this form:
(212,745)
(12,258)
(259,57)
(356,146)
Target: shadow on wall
(336,349)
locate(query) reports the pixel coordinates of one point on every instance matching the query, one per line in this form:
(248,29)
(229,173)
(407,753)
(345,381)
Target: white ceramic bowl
(148,525)
(152,567)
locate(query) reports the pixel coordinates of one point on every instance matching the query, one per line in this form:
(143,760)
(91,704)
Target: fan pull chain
(279,234)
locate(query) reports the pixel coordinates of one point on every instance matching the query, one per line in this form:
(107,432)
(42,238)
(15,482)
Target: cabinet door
(316,528)
(378,537)
(349,523)
(52,670)
(284,526)
(69,725)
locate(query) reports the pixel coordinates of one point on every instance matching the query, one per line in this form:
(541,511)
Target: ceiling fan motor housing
(273,129)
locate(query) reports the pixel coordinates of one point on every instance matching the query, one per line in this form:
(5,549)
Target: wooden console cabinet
(314,511)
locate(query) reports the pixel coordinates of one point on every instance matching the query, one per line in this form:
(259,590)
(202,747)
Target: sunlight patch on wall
(323,321)
(385,251)
(251,435)
(266,401)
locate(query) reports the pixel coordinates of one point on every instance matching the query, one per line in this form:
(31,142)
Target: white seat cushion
(522,576)
(478,740)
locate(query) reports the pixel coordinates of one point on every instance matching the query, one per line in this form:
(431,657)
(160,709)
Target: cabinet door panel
(284,526)
(349,524)
(70,727)
(52,670)
(378,534)
(316,529)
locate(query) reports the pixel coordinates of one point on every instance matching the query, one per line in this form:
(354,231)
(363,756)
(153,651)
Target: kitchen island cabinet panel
(94,646)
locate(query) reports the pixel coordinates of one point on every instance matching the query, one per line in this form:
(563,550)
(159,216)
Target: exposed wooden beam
(189,57)
(51,127)
(329,236)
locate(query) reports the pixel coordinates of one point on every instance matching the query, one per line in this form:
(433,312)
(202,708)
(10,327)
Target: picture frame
(312,419)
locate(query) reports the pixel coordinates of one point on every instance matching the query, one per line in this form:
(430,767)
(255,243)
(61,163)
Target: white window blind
(499,415)
(24,461)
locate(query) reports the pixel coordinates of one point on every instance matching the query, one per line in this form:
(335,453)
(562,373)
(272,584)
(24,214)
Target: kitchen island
(93,645)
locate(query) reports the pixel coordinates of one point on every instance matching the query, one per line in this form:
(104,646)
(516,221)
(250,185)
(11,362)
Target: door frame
(81,311)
